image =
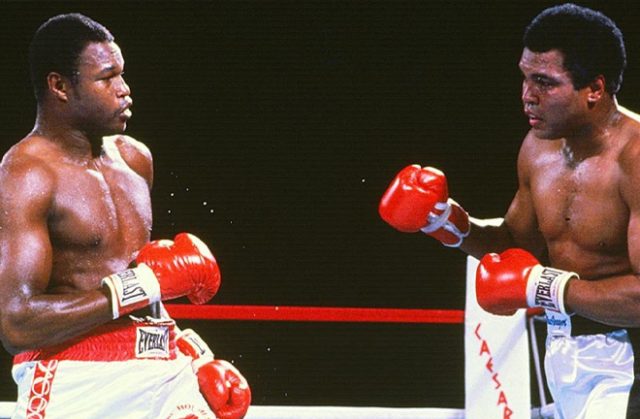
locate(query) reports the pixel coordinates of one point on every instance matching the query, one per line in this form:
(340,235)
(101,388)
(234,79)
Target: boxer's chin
(546,134)
(115,130)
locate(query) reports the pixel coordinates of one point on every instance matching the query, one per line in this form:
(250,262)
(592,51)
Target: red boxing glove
(514,279)
(184,266)
(418,199)
(225,389)
(166,270)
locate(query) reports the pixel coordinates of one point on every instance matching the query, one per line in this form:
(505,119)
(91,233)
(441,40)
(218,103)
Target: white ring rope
(335,412)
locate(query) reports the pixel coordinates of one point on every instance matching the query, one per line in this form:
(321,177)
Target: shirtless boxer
(577,210)
(75,212)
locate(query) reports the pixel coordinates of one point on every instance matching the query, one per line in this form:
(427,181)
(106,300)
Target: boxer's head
(77,73)
(591,43)
(58,43)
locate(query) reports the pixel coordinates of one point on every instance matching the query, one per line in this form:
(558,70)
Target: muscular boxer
(570,240)
(75,211)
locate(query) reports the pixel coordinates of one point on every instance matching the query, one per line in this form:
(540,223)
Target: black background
(277,125)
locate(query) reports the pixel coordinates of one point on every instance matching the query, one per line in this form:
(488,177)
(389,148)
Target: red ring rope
(314,314)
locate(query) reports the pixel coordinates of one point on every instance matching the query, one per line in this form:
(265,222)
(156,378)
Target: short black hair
(591,42)
(58,43)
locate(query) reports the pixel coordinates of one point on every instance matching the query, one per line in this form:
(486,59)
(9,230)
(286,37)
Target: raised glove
(418,199)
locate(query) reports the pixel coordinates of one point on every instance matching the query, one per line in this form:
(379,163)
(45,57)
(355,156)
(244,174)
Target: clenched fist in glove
(225,389)
(167,269)
(515,279)
(418,199)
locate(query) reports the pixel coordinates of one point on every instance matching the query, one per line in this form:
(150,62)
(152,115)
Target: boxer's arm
(519,227)
(613,300)
(29,317)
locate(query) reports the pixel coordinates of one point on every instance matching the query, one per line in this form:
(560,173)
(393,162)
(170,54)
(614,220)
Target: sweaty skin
(74,207)
(578,200)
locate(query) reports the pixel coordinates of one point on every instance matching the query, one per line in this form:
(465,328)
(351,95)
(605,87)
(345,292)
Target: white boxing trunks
(125,369)
(589,376)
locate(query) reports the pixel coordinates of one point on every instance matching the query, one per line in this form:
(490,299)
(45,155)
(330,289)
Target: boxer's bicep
(26,254)
(25,247)
(515,229)
(521,219)
(522,224)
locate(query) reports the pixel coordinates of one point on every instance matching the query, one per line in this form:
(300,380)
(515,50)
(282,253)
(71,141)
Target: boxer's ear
(58,86)
(596,90)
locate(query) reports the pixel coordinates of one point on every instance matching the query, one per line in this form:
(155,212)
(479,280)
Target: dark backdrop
(277,125)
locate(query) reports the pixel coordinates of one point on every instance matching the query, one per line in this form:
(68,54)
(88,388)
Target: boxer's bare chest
(101,215)
(580,211)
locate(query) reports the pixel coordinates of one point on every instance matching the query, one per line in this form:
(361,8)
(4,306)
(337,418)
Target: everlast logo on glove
(152,342)
(548,286)
(132,290)
(544,296)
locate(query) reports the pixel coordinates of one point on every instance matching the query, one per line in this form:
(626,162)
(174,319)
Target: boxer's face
(554,107)
(100,99)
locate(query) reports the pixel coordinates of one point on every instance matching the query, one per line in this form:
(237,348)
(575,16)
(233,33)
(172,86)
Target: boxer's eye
(544,82)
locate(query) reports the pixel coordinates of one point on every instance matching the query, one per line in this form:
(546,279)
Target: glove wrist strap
(546,287)
(191,344)
(437,221)
(132,289)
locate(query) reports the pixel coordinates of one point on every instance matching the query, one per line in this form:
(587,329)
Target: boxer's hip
(589,367)
(128,368)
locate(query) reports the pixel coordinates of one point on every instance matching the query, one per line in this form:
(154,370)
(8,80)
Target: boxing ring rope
(333,314)
(313,314)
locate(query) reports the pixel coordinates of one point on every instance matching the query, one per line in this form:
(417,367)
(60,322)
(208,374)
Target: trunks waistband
(120,340)
(583,326)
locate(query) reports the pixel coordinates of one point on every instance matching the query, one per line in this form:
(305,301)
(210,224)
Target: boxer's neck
(596,136)
(76,143)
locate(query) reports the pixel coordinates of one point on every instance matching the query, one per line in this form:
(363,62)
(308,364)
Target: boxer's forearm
(614,301)
(487,236)
(49,319)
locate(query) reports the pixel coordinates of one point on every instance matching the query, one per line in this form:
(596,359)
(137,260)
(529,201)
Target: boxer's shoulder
(30,156)
(628,116)
(26,172)
(132,152)
(627,153)
(127,147)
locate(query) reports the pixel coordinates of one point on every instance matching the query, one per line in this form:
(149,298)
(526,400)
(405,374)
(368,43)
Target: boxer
(75,211)
(570,240)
